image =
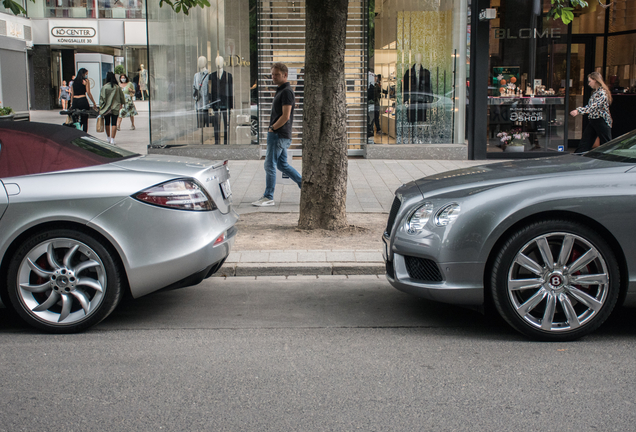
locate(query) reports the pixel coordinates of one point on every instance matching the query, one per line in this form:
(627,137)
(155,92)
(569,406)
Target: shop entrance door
(582,51)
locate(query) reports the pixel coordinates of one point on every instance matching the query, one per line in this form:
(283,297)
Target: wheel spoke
(67,302)
(85,265)
(548,315)
(69,255)
(83,299)
(529,264)
(532,302)
(566,250)
(523,284)
(50,256)
(546,253)
(584,260)
(91,283)
(590,279)
(53,298)
(586,299)
(38,270)
(36,288)
(570,313)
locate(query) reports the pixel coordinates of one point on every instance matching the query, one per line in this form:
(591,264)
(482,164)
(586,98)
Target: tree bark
(323,196)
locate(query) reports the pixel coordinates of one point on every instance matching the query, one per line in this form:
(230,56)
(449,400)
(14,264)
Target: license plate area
(226,191)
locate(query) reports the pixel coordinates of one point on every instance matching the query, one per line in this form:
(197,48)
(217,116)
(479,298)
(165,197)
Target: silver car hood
(484,176)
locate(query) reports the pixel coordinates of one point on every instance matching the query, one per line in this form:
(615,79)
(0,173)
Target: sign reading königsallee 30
(73,32)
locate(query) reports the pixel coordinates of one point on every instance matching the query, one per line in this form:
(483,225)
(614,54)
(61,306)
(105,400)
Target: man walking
(279,135)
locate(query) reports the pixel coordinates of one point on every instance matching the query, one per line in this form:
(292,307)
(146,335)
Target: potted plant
(513,141)
(119,69)
(6,113)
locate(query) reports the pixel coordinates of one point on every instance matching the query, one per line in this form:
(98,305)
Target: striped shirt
(598,106)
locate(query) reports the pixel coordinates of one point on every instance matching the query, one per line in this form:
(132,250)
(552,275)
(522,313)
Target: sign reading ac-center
(65,32)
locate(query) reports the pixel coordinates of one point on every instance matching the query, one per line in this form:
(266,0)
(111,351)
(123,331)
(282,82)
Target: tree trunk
(323,197)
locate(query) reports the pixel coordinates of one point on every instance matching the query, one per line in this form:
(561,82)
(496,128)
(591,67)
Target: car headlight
(418,219)
(447,214)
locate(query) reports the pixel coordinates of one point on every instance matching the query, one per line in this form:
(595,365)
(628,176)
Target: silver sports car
(82,222)
(551,243)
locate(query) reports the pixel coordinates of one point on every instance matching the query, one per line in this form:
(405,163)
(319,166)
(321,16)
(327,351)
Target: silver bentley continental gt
(551,242)
(82,222)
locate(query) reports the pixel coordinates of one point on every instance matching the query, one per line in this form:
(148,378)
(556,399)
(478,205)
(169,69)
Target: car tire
(254,126)
(555,280)
(63,281)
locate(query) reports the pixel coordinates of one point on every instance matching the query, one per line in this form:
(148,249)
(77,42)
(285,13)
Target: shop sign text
(73,35)
(527,33)
(526,114)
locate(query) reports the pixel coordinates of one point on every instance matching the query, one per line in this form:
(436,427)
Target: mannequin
(222,99)
(143,82)
(201,94)
(417,90)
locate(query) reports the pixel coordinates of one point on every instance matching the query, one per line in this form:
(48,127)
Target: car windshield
(622,149)
(101,148)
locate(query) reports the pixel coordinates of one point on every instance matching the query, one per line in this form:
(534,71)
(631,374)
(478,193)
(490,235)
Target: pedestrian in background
(65,95)
(111,99)
(128,109)
(598,114)
(80,93)
(279,135)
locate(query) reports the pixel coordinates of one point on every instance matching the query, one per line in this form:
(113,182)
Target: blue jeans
(277,156)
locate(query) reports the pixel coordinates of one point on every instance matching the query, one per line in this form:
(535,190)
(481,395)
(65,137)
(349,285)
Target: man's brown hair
(281,67)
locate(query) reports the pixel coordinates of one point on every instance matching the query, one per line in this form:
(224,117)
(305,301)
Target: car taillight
(178,194)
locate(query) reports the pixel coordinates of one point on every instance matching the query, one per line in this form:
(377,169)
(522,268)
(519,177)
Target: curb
(292,269)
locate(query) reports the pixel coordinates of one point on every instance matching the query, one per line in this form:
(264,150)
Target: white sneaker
(112,141)
(263,202)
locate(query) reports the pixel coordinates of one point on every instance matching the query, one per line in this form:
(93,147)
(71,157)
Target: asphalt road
(307,354)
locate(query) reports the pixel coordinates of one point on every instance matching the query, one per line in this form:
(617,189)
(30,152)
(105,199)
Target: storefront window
(419,70)
(121,9)
(527,79)
(199,75)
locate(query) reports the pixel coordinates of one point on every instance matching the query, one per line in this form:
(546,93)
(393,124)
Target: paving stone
(254,257)
(312,257)
(341,256)
(283,257)
(369,257)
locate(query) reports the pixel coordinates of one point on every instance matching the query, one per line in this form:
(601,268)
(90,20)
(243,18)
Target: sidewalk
(371,186)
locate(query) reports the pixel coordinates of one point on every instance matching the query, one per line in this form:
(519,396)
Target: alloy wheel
(558,282)
(61,281)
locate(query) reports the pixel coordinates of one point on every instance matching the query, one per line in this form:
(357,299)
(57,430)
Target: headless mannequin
(143,82)
(222,99)
(417,90)
(200,86)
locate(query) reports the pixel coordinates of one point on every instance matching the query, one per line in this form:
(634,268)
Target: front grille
(395,207)
(422,269)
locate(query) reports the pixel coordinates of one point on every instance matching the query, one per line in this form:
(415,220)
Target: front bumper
(458,283)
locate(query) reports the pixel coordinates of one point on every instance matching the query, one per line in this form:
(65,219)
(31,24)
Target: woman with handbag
(128,109)
(111,98)
(598,114)
(80,93)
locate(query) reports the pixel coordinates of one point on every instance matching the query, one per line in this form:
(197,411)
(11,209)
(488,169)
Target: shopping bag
(100,124)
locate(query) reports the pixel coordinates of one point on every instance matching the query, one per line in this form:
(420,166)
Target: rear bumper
(163,248)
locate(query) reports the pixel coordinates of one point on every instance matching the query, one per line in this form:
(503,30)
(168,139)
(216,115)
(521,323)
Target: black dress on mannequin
(417,92)
(222,99)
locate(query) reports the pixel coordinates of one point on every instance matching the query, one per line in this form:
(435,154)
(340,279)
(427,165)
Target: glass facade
(200,75)
(121,9)
(526,79)
(417,90)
